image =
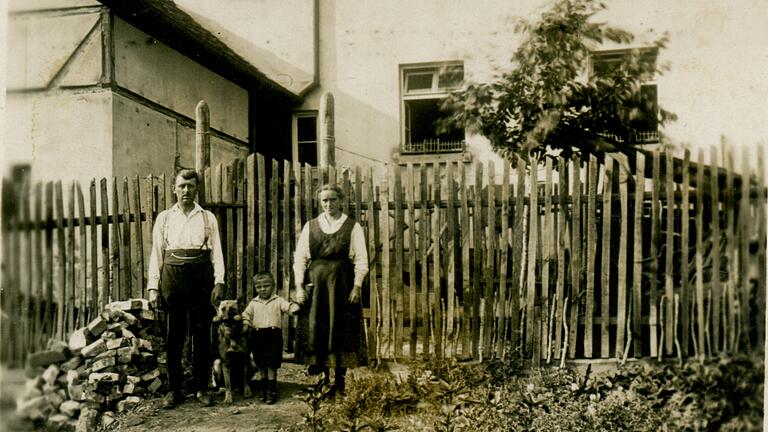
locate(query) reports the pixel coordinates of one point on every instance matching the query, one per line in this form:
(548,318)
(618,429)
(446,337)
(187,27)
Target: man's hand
(354,296)
(300,295)
(217,294)
(153,294)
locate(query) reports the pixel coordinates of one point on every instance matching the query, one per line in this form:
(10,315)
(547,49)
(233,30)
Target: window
(644,127)
(423,87)
(305,137)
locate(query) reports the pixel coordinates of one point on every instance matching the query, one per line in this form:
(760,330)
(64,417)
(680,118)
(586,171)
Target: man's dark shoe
(204,398)
(171,399)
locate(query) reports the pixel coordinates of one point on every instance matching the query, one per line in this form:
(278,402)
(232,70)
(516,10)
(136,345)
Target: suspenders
(206,231)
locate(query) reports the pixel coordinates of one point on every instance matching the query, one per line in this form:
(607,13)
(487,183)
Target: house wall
(156,72)
(717,57)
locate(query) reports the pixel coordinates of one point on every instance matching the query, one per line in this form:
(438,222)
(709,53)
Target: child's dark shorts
(267,346)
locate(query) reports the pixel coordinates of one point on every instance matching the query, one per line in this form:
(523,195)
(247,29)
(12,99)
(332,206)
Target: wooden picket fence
(644,257)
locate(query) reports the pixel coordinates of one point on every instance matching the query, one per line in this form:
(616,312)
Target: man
(186,276)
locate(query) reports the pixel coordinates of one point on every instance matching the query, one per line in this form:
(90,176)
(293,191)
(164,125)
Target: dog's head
(228,310)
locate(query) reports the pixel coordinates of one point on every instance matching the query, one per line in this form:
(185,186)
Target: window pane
(308,153)
(451,76)
(424,114)
(418,81)
(306,128)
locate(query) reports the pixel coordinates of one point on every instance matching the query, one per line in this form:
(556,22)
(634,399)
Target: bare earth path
(248,414)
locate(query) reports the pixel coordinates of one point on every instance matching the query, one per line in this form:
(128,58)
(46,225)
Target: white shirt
(184,232)
(358,253)
(267,313)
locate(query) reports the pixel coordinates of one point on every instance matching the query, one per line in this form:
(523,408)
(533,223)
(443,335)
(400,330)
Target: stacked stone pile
(108,366)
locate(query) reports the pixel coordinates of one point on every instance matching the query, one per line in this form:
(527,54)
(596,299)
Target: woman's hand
(300,295)
(354,296)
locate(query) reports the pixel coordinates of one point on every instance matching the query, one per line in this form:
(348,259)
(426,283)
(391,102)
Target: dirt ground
(245,414)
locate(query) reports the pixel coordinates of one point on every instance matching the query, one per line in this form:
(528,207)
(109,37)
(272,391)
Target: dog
(234,362)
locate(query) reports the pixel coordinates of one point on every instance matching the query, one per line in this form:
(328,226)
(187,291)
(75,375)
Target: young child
(264,316)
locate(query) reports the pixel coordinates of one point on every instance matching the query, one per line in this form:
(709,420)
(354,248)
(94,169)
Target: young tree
(548,102)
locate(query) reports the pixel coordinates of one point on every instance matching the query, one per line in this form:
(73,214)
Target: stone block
(130,318)
(155,385)
(76,392)
(96,377)
(51,373)
(103,363)
(162,358)
(145,344)
(97,326)
(73,377)
(151,375)
(88,420)
(147,315)
(45,358)
(79,339)
(95,348)
(70,408)
(107,419)
(71,364)
(32,408)
(132,379)
(117,343)
(58,420)
(54,399)
(128,403)
(114,395)
(109,335)
(129,388)
(58,346)
(127,334)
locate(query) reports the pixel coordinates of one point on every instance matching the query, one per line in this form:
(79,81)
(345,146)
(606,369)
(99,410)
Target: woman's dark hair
(330,187)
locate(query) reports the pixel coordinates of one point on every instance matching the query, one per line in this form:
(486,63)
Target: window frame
(434,92)
(295,116)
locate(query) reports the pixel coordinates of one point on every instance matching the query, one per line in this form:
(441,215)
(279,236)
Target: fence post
(202,144)
(327,135)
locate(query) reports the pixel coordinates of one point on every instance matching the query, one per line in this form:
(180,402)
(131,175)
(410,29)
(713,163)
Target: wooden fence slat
(744,221)
(547,263)
(654,257)
(12,263)
(729,301)
(605,259)
(621,309)
(375,322)
(126,250)
(358,195)
(637,270)
(412,285)
(562,242)
(138,279)
(227,231)
(150,206)
(106,264)
(345,191)
(94,297)
(49,311)
(250,247)
(669,271)
(761,237)
(518,249)
(262,212)
(386,272)
(38,278)
(700,349)
(501,308)
(62,261)
(397,280)
(424,240)
(437,264)
(115,261)
(83,267)
(71,298)
(274,239)
(533,327)
(589,307)
(466,289)
(308,188)
(577,266)
(286,241)
(27,268)
(685,245)
(450,256)
(716,261)
(490,262)
(242,227)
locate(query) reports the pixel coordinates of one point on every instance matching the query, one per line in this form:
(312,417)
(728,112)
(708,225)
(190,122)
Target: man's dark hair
(264,275)
(187,174)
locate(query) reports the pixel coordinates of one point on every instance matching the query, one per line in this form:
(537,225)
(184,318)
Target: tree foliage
(548,102)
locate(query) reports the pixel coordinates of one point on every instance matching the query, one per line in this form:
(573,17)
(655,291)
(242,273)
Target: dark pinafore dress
(329,332)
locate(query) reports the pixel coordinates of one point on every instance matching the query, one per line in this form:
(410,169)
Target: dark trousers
(186,290)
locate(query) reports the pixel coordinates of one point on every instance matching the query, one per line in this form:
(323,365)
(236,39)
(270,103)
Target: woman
(331,251)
